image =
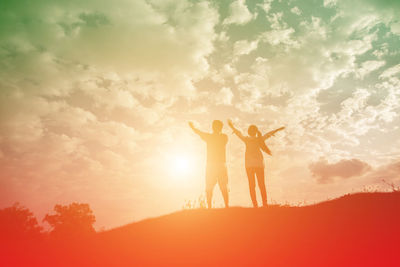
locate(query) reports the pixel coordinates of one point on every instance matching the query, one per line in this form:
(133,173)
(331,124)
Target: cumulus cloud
(369,66)
(284,36)
(266,5)
(395,28)
(316,30)
(296,10)
(224,96)
(325,172)
(354,104)
(330,3)
(390,72)
(131,38)
(389,173)
(244,47)
(280,32)
(239,13)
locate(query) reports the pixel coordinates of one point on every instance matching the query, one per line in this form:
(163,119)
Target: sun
(181,162)
(181,165)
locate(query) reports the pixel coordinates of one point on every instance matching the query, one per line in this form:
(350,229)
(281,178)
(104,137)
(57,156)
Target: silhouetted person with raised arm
(216,160)
(254,161)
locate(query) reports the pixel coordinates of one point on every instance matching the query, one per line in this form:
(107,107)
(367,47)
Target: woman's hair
(264,147)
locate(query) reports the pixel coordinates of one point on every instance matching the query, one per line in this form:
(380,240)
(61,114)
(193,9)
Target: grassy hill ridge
(355,230)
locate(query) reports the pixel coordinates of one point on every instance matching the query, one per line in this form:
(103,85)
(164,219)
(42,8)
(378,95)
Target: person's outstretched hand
(230,123)
(191,125)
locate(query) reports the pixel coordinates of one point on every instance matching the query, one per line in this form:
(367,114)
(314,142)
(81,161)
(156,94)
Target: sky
(95,97)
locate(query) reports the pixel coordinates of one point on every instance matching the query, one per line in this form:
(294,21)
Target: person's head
(252,131)
(217,126)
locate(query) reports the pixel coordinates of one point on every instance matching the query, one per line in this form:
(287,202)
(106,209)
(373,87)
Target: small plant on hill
(393,187)
(199,203)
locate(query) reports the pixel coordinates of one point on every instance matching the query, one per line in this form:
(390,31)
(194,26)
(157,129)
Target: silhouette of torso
(253,154)
(216,146)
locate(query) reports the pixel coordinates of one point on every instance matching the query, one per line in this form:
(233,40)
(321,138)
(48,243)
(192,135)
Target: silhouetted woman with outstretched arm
(254,161)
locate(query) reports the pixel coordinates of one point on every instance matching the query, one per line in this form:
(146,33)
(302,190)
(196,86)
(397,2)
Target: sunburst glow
(180,165)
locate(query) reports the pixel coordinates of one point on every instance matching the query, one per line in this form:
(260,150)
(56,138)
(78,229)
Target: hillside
(355,230)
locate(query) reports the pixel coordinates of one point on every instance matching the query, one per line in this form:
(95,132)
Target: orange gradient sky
(95,97)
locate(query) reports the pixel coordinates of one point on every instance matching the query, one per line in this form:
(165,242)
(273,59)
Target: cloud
(266,5)
(354,104)
(325,172)
(239,13)
(316,29)
(369,66)
(330,3)
(224,96)
(395,28)
(296,10)
(131,38)
(381,51)
(390,72)
(244,47)
(390,173)
(276,37)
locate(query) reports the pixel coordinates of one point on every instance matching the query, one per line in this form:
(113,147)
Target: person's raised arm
(272,133)
(236,131)
(203,135)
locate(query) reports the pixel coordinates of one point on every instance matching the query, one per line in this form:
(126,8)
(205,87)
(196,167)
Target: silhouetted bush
(18,222)
(73,220)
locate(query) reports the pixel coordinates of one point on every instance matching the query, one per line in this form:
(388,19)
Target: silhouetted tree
(71,220)
(18,222)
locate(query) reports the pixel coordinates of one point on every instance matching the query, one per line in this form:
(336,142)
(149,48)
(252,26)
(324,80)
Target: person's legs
(225,195)
(209,193)
(211,180)
(223,184)
(252,184)
(261,185)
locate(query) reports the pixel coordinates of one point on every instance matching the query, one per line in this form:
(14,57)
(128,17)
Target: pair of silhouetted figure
(216,171)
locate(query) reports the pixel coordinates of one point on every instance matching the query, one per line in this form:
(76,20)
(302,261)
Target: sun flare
(180,165)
